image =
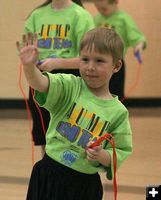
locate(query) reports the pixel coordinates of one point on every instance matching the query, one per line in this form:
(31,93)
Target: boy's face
(104,7)
(96,69)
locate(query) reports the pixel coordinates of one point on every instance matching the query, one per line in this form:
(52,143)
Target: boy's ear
(117,66)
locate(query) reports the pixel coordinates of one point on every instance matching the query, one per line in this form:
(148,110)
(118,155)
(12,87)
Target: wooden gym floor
(141,169)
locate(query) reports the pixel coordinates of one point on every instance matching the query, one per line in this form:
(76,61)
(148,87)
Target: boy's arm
(28,55)
(104,158)
(35,78)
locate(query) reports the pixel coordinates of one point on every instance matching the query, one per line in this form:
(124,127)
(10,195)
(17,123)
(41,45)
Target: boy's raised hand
(28,51)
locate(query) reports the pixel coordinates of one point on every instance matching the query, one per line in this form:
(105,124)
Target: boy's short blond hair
(105,41)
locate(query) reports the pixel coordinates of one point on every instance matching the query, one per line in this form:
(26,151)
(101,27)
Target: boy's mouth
(91,76)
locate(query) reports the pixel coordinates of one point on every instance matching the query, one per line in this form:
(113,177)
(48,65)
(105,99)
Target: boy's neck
(61,4)
(101,94)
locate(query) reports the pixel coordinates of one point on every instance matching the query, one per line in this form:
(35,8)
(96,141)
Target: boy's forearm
(35,78)
(104,158)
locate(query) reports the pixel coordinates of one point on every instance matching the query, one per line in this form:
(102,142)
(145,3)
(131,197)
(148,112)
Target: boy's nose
(91,66)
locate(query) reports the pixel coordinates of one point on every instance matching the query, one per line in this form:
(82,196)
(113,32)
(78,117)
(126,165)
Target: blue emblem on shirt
(69,157)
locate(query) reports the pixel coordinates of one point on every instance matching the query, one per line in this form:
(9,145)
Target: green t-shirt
(59,32)
(77,117)
(124,26)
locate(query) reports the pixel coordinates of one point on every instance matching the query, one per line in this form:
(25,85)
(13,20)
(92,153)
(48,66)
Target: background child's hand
(48,64)
(93,153)
(139,47)
(28,51)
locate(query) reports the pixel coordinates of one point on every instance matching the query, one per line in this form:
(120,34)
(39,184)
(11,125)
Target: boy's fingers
(89,143)
(97,148)
(30,38)
(18,46)
(91,155)
(24,40)
(35,40)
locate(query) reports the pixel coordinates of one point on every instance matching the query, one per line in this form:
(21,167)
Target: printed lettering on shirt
(54,36)
(82,126)
(109,26)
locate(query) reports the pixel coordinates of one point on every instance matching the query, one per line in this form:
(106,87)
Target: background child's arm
(59,63)
(134,36)
(139,47)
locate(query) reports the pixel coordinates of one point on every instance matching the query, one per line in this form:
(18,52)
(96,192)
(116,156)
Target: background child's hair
(50,1)
(112,1)
(104,40)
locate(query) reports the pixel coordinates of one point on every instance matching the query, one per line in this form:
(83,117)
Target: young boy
(82,109)
(110,16)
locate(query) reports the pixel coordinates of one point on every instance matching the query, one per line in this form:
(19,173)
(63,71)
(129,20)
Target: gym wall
(146,14)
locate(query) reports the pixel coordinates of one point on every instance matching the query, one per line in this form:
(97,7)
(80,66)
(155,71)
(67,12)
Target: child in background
(82,109)
(110,16)
(60,24)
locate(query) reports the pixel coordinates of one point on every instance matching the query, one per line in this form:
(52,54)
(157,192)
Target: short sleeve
(134,35)
(29,24)
(63,88)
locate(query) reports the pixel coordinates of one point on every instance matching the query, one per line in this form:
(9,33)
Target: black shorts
(51,180)
(37,130)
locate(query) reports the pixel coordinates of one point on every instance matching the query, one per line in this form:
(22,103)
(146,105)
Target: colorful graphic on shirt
(82,126)
(109,26)
(55,36)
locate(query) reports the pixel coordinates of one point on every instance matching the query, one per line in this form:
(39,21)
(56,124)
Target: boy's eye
(100,60)
(85,59)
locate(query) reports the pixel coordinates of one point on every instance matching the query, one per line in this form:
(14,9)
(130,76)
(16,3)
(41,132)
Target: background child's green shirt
(124,26)
(59,32)
(77,117)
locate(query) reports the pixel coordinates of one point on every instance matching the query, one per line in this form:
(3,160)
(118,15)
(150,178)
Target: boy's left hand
(93,153)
